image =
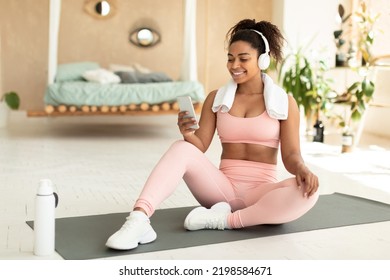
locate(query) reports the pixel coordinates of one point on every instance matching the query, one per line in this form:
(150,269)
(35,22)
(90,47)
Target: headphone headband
(264,58)
(264,40)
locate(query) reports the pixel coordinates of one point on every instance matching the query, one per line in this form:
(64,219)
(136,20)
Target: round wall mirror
(101,9)
(144,37)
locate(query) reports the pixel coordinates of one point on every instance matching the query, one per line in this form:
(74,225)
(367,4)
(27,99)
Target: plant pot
(347,143)
(318,131)
(4,110)
(341,60)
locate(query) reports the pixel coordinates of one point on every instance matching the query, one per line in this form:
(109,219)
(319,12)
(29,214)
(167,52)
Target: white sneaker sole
(149,237)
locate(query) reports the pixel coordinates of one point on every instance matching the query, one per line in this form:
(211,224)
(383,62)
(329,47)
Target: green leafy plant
(296,77)
(322,95)
(339,36)
(11,99)
(365,20)
(358,95)
(306,81)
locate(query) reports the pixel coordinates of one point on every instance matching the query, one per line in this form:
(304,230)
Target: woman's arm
(291,151)
(202,137)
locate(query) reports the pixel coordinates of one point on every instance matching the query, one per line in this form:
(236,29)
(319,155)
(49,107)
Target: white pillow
(101,76)
(141,69)
(121,68)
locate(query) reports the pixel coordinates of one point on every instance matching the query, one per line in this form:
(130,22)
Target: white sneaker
(213,218)
(136,230)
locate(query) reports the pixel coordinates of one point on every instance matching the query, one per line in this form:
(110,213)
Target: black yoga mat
(84,237)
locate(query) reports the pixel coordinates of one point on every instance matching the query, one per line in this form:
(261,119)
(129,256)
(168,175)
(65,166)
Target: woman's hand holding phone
(187,118)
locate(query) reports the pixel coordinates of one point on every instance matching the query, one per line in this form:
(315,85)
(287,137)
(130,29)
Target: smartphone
(185,104)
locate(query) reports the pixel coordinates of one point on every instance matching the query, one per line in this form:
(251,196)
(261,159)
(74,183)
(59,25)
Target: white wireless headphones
(264,59)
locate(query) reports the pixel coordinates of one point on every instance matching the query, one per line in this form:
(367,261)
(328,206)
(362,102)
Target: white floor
(99,164)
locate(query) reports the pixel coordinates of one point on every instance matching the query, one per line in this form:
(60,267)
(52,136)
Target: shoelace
(129,224)
(215,223)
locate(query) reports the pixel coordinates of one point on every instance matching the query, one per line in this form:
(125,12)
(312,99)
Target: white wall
(382,36)
(377,117)
(376,121)
(305,21)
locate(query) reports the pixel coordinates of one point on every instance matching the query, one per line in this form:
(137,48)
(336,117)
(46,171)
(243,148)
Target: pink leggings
(251,188)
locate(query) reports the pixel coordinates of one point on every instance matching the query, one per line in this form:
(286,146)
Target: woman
(244,190)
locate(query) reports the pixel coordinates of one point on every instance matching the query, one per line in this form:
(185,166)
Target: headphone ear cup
(264,61)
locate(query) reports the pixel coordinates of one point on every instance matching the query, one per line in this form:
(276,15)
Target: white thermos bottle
(44,223)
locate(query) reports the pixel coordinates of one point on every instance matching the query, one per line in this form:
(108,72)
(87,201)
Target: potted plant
(9,100)
(359,94)
(339,36)
(365,21)
(357,97)
(320,98)
(296,77)
(306,81)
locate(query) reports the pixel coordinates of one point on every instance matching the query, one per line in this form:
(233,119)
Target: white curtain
(54,25)
(189,67)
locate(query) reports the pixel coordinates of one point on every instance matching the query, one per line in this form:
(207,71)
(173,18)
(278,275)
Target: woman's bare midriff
(251,152)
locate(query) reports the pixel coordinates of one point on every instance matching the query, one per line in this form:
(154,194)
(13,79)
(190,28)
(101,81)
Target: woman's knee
(182,147)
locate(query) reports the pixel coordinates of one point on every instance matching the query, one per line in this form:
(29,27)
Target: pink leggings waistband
(249,171)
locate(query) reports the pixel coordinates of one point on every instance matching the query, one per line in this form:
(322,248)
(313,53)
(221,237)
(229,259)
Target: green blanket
(94,94)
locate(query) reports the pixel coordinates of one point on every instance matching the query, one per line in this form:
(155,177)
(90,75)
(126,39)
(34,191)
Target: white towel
(275,98)
(224,98)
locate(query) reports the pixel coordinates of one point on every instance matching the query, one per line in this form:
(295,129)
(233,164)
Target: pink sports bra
(261,130)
